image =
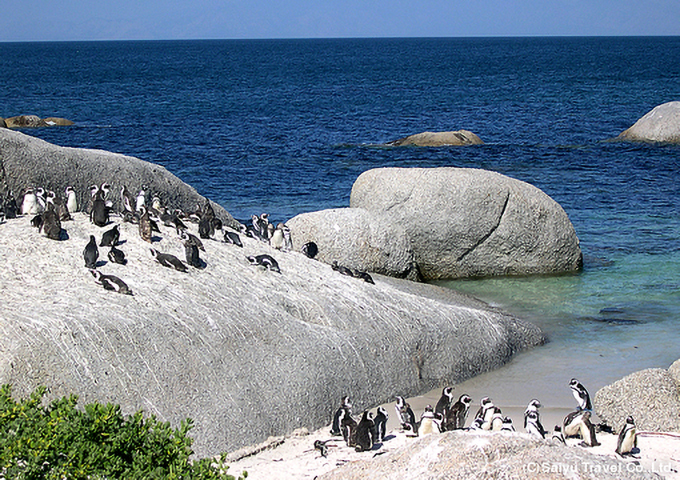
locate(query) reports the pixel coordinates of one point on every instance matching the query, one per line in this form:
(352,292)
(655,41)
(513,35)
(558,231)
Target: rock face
(465,455)
(356,239)
(662,125)
(3,124)
(468,222)
(674,370)
(32,121)
(245,352)
(651,396)
(28,161)
(439,139)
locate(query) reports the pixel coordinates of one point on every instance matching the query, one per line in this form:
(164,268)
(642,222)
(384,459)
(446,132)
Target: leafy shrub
(61,441)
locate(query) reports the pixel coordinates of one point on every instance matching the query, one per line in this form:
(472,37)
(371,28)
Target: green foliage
(62,442)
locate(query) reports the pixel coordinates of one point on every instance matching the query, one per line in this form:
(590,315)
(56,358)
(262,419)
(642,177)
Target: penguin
(37,222)
(205,227)
(60,207)
(117,256)
(276,238)
(191,253)
(405,415)
(111,282)
(287,239)
(261,226)
(507,425)
(71,199)
(533,406)
(42,201)
(100,210)
(380,421)
(10,207)
(345,406)
(110,237)
(29,205)
(232,238)
(168,260)
(365,429)
(156,205)
(557,436)
(310,249)
(627,440)
(428,424)
(348,426)
(167,218)
(266,261)
(485,412)
(457,414)
(140,200)
(533,425)
(94,190)
(192,239)
(587,431)
(321,446)
(208,211)
(105,189)
(51,223)
(444,403)
(476,424)
(177,222)
(571,425)
(496,420)
(145,229)
(341,269)
(364,276)
(580,394)
(127,200)
(91,253)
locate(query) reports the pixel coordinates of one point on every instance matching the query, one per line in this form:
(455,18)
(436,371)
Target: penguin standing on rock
(145,229)
(111,282)
(169,261)
(364,437)
(457,414)
(110,237)
(345,408)
(117,256)
(51,223)
(380,421)
(428,424)
(29,205)
(405,415)
(71,199)
(191,253)
(444,404)
(533,425)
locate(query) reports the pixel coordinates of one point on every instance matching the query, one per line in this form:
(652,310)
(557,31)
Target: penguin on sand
(168,260)
(111,282)
(428,423)
(91,253)
(51,223)
(116,256)
(380,421)
(191,253)
(110,237)
(345,407)
(405,415)
(485,413)
(444,404)
(533,425)
(232,238)
(145,229)
(364,436)
(627,440)
(71,199)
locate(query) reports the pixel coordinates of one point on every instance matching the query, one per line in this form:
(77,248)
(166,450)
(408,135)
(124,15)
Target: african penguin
(364,276)
(232,238)
(10,206)
(533,406)
(345,406)
(321,446)
(364,436)
(457,414)
(348,427)
(428,424)
(276,238)
(192,239)
(445,403)
(29,206)
(341,269)
(485,412)
(145,228)
(40,197)
(405,415)
(533,425)
(266,261)
(191,253)
(380,421)
(507,425)
(205,227)
(627,440)
(557,435)
(51,223)
(580,394)
(100,210)
(140,200)
(111,282)
(127,200)
(168,260)
(110,237)
(116,256)
(71,199)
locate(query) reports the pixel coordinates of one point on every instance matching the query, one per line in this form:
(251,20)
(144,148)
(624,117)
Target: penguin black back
(91,253)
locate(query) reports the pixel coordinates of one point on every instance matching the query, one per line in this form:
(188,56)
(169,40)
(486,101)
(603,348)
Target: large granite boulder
(674,370)
(245,352)
(439,139)
(661,124)
(651,396)
(466,222)
(356,239)
(29,161)
(24,121)
(466,455)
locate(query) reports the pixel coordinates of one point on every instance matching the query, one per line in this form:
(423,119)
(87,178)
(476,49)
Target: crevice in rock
(491,231)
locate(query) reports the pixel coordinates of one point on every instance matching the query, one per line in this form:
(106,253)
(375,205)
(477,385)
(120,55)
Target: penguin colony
(48,210)
(368,433)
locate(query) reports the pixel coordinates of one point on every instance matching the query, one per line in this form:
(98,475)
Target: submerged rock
(661,124)
(25,121)
(439,139)
(466,222)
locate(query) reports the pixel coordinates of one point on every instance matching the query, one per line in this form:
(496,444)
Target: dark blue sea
(286,126)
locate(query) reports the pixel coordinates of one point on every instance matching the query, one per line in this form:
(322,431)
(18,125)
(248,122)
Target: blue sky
(38,20)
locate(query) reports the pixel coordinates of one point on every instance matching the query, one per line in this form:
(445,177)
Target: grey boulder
(439,139)
(651,396)
(661,124)
(467,222)
(356,239)
(674,370)
(29,161)
(466,455)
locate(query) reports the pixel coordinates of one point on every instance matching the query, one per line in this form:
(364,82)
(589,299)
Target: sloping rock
(466,222)
(674,371)
(356,239)
(29,161)
(439,139)
(3,124)
(651,396)
(58,122)
(246,353)
(463,455)
(661,124)
(23,121)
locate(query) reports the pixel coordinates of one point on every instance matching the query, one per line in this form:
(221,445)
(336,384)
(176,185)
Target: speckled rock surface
(439,139)
(661,124)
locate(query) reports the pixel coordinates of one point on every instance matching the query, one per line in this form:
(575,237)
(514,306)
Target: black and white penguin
(485,412)
(578,424)
(345,408)
(192,239)
(208,211)
(341,269)
(140,201)
(444,403)
(177,222)
(111,282)
(497,420)
(476,424)
(191,253)
(380,421)
(348,427)
(37,222)
(266,261)
(276,238)
(91,253)
(10,206)
(507,425)
(71,199)
(310,249)
(588,431)
(627,438)
(232,238)
(51,223)
(100,210)
(364,276)
(145,228)
(533,425)
(365,429)
(168,260)
(287,239)
(40,196)
(127,200)
(405,415)
(60,206)
(533,406)
(557,436)
(29,204)
(580,394)
(457,414)
(110,237)
(205,227)
(428,423)
(117,256)
(322,447)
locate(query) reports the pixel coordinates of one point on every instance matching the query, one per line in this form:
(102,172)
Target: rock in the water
(58,122)
(243,352)
(466,222)
(661,124)
(28,160)
(439,139)
(466,455)
(24,121)
(357,239)
(651,396)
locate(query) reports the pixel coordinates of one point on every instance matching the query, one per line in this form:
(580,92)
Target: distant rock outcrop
(33,121)
(29,161)
(651,396)
(356,239)
(661,124)
(465,222)
(439,139)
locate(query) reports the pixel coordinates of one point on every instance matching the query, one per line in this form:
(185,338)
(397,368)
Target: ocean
(286,126)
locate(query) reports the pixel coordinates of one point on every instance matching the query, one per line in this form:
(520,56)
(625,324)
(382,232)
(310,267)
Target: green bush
(61,441)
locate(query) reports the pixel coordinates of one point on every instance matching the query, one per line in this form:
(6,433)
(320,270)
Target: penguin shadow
(388,438)
(100,263)
(120,242)
(201,264)
(63,235)
(156,239)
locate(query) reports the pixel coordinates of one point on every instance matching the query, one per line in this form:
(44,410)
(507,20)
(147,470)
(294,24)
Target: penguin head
(465,399)
(534,404)
(447,392)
